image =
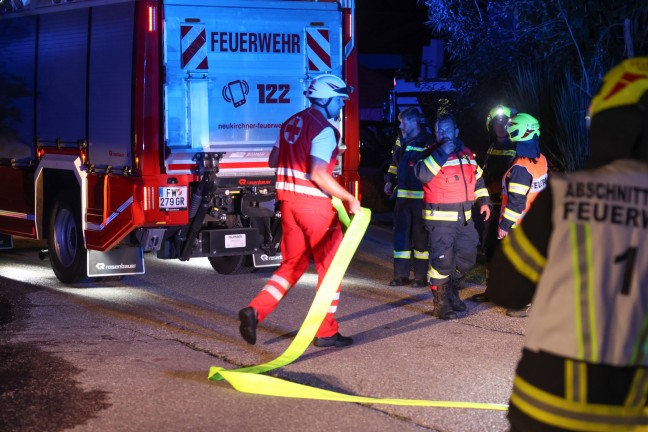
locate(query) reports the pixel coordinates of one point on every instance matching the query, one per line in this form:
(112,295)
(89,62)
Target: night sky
(391,26)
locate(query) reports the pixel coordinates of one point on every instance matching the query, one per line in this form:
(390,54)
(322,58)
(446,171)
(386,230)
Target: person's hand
(353,206)
(448,146)
(501,233)
(388,188)
(485,211)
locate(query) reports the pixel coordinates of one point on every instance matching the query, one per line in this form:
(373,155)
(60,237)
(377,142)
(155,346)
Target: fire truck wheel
(67,253)
(237,264)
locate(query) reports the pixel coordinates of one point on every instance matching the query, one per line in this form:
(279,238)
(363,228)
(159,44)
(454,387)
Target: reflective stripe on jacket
(452,178)
(295,141)
(574,408)
(520,186)
(585,362)
(436,214)
(590,303)
(396,157)
(498,160)
(409,186)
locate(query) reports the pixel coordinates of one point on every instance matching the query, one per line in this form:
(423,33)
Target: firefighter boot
(401,272)
(442,308)
(453,296)
(420,273)
(480,298)
(249,321)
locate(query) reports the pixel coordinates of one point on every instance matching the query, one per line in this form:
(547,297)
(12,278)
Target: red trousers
(311,229)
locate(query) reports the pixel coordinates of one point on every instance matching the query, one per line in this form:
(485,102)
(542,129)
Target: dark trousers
(489,238)
(453,249)
(410,239)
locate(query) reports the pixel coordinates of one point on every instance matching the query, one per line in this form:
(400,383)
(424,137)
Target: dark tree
(544,57)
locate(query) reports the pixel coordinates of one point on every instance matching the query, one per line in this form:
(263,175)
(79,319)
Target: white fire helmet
(328,86)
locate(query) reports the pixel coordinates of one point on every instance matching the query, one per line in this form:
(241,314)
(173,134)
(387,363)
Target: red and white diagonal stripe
(194,47)
(318,48)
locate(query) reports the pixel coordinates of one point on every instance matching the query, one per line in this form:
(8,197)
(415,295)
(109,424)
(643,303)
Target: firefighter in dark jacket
(520,184)
(410,237)
(580,254)
(452,183)
(500,154)
(390,177)
(526,176)
(523,181)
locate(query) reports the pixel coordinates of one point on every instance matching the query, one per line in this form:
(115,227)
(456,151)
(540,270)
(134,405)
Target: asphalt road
(133,355)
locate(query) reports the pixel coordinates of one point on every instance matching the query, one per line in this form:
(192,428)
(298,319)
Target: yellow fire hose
(248,380)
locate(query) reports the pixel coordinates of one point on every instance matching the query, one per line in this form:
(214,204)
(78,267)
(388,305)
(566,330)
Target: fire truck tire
(236,264)
(67,252)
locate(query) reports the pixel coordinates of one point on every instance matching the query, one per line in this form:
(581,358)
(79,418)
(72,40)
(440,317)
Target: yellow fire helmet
(497,111)
(623,85)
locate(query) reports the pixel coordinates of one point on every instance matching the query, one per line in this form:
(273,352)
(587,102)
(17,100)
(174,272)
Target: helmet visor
(512,130)
(344,91)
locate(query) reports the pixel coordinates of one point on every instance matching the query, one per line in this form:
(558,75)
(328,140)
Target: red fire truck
(132,126)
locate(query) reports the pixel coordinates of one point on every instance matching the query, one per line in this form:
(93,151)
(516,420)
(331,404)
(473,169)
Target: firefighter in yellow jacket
(580,253)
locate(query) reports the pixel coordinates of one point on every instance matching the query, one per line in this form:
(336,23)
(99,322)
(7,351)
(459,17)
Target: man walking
(305,155)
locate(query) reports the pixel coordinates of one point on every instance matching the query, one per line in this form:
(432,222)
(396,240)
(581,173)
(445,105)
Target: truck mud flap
(124,260)
(6,241)
(262,259)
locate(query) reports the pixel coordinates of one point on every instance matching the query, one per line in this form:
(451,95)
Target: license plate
(172,197)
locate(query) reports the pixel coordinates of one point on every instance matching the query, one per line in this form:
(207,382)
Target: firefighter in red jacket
(579,255)
(452,183)
(305,155)
(410,236)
